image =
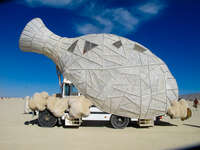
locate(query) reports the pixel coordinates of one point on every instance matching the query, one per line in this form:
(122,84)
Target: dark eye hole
(117,44)
(72,47)
(139,48)
(88,46)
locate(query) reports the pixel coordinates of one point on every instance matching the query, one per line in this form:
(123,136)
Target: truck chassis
(47,119)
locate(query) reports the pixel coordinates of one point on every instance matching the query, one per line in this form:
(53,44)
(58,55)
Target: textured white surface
(118,75)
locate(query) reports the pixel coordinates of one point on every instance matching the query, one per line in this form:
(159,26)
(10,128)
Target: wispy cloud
(87,28)
(151,8)
(123,18)
(119,20)
(54,3)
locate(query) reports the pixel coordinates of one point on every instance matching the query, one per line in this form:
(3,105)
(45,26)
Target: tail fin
(34,36)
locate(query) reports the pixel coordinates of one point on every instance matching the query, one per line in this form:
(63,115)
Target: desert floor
(169,134)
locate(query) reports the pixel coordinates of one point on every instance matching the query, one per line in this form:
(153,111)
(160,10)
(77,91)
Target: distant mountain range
(190,97)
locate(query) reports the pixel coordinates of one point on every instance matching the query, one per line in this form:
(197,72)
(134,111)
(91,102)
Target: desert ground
(168,134)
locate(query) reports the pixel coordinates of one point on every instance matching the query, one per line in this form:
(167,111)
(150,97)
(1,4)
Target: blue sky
(169,28)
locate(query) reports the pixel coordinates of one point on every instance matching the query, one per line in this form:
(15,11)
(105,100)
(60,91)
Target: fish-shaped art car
(118,75)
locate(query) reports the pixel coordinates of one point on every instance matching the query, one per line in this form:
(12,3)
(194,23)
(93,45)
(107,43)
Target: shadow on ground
(96,124)
(193,147)
(107,124)
(163,123)
(191,125)
(31,122)
(133,124)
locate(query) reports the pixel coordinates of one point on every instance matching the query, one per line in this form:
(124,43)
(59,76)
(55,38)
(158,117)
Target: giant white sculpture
(118,75)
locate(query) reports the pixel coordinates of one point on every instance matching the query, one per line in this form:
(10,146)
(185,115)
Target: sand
(170,134)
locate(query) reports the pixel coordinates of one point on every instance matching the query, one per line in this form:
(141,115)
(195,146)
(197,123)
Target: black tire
(46,119)
(119,122)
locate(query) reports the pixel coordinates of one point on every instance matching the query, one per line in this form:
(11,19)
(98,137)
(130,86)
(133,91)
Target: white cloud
(110,20)
(125,18)
(87,28)
(107,24)
(121,20)
(151,8)
(53,3)
(102,19)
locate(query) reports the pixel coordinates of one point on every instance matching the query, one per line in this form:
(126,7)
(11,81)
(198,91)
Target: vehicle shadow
(193,147)
(163,123)
(191,125)
(96,124)
(107,124)
(31,122)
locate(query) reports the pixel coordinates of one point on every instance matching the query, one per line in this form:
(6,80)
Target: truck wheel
(119,122)
(46,119)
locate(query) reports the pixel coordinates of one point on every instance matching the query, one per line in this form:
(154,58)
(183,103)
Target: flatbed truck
(46,118)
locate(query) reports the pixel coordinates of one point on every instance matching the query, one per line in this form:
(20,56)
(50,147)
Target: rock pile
(78,106)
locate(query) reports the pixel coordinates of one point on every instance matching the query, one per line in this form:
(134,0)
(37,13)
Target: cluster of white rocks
(78,106)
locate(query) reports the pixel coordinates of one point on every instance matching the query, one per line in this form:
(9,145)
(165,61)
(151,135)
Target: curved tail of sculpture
(37,38)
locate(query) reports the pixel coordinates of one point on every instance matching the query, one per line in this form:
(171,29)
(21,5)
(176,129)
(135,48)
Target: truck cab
(68,89)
